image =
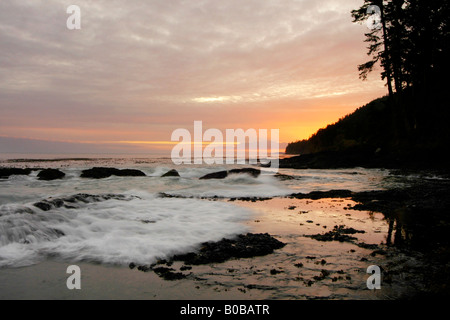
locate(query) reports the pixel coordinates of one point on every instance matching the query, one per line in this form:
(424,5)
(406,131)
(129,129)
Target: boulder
(98,172)
(283,177)
(74,201)
(6,172)
(223,174)
(51,174)
(171,173)
(251,171)
(215,175)
(129,173)
(102,172)
(243,246)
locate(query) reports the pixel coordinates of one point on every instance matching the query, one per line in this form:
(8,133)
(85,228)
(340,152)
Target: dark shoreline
(370,158)
(419,221)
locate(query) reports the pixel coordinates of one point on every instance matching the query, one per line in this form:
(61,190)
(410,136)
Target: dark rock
(59,232)
(171,173)
(369,246)
(184,268)
(315,195)
(215,197)
(284,177)
(103,172)
(43,205)
(168,274)
(339,233)
(252,199)
(378,251)
(344,230)
(144,268)
(98,173)
(243,246)
(275,271)
(323,274)
(148,221)
(251,171)
(48,204)
(223,174)
(6,172)
(215,175)
(51,203)
(51,174)
(130,173)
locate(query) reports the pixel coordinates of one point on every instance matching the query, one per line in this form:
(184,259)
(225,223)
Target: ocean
(142,227)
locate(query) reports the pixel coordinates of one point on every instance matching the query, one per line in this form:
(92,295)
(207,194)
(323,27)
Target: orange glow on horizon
(175,142)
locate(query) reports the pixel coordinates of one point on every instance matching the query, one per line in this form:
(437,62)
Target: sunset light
(228,152)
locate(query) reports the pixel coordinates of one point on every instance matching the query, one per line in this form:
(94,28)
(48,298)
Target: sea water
(143,226)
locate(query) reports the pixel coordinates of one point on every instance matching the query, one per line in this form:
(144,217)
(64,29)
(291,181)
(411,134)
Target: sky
(138,70)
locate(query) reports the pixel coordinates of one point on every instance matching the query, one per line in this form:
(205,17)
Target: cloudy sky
(137,70)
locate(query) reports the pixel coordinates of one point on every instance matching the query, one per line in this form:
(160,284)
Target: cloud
(145,67)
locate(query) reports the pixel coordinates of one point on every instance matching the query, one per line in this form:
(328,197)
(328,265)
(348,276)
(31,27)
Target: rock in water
(171,173)
(283,177)
(129,173)
(251,171)
(51,174)
(223,174)
(215,175)
(6,172)
(244,246)
(74,201)
(98,172)
(102,172)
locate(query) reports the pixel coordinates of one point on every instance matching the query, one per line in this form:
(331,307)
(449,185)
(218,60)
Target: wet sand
(304,268)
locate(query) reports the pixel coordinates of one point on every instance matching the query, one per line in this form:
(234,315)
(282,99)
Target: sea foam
(140,230)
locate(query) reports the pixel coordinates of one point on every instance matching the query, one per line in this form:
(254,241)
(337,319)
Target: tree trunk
(386,51)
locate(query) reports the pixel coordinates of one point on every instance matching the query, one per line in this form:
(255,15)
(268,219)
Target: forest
(411,48)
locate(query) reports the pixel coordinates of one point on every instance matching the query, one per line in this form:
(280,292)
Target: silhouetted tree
(412,47)
(412,44)
(379,47)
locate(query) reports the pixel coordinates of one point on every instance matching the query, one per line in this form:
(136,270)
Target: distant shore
(368,158)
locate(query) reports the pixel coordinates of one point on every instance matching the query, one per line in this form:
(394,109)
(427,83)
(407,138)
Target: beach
(126,232)
(304,268)
(275,276)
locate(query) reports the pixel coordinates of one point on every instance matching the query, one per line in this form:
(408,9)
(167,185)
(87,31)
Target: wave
(141,229)
(239,185)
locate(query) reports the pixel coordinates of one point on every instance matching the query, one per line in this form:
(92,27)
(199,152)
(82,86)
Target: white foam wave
(116,232)
(235,185)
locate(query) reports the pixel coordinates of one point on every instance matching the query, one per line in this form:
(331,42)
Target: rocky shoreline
(242,246)
(369,157)
(418,219)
